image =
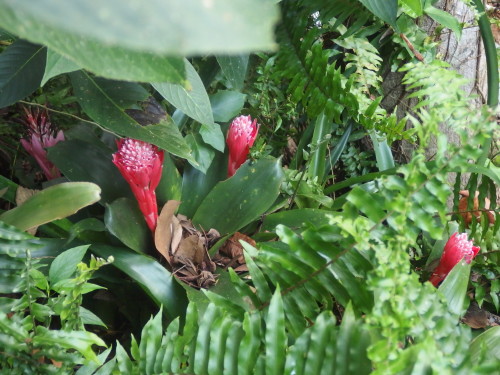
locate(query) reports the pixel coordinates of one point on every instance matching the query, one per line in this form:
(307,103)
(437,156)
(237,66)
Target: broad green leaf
(175,27)
(97,102)
(83,161)
(57,64)
(196,184)
(319,144)
(125,94)
(170,186)
(226,105)
(82,341)
(64,265)
(383,152)
(35,22)
(234,69)
(125,221)
(386,10)
(21,70)
(55,202)
(202,153)
(194,102)
(239,200)
(486,345)
(88,317)
(445,19)
(337,151)
(414,5)
(454,288)
(276,340)
(151,275)
(297,218)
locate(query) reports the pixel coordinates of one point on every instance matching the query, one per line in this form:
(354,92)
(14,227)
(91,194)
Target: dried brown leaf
(163,232)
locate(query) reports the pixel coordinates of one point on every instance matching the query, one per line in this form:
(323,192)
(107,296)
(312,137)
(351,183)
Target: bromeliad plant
(330,273)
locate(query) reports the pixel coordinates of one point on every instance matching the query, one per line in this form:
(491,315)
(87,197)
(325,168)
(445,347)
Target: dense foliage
(136,239)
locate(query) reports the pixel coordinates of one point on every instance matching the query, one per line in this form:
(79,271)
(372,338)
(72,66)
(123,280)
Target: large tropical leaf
(21,70)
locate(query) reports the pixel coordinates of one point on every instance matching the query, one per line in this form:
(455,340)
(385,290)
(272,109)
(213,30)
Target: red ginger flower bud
(457,248)
(240,138)
(141,164)
(41,135)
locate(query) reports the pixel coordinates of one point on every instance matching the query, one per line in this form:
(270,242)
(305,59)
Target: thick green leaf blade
(64,265)
(194,102)
(383,152)
(21,70)
(83,161)
(176,27)
(386,10)
(155,279)
(454,288)
(170,187)
(239,200)
(487,344)
(93,54)
(56,65)
(297,218)
(125,221)
(234,69)
(226,104)
(196,184)
(55,202)
(276,341)
(97,102)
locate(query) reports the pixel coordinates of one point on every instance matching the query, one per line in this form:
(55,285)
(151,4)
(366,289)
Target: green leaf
(383,152)
(57,64)
(112,60)
(297,218)
(55,202)
(414,5)
(239,200)
(322,128)
(83,161)
(202,153)
(486,345)
(88,317)
(445,19)
(454,288)
(97,102)
(337,151)
(65,263)
(125,221)
(234,69)
(170,186)
(386,10)
(276,341)
(194,102)
(226,105)
(155,279)
(196,184)
(172,27)
(21,70)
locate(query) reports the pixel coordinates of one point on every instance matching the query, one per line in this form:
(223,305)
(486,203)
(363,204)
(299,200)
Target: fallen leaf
(163,232)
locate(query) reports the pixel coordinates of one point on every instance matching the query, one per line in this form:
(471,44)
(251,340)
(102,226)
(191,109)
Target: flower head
(141,163)
(41,135)
(457,248)
(240,137)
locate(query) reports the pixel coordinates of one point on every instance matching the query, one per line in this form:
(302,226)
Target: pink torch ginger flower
(141,164)
(457,248)
(240,138)
(41,135)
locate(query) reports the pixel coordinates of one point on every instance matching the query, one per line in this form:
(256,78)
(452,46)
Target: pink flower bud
(141,165)
(457,248)
(240,138)
(41,135)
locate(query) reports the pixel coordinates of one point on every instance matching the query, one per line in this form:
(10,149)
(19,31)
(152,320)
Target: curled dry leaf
(185,247)
(467,215)
(231,253)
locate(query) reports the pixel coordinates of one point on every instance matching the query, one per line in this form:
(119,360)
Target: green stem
(491,66)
